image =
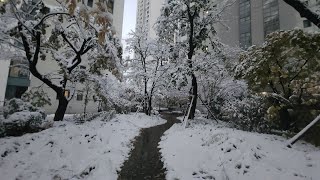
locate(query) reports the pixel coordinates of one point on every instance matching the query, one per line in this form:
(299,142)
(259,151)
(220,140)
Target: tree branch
(304,11)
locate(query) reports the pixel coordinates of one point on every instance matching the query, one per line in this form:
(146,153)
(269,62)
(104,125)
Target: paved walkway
(145,159)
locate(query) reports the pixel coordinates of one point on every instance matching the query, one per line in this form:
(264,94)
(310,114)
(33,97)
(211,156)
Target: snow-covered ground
(206,151)
(93,150)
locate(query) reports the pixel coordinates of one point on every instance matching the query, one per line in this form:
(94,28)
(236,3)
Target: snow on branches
(149,67)
(188,27)
(68,34)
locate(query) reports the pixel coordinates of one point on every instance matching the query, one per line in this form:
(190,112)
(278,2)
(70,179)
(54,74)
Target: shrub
(21,117)
(104,116)
(17,105)
(247,113)
(251,115)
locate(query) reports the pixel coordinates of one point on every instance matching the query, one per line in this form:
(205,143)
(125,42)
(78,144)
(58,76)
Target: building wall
(4,71)
(155,9)
(256,22)
(148,12)
(118,17)
(229,33)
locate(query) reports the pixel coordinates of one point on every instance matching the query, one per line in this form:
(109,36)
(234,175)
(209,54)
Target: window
(306,23)
(18,69)
(66,94)
(245,8)
(245,40)
(270,16)
(79,96)
(110,5)
(90,3)
(245,23)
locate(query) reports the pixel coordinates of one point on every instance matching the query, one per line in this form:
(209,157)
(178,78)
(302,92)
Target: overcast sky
(129,18)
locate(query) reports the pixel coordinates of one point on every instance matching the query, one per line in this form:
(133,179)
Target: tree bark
(194,92)
(304,11)
(149,106)
(61,110)
(285,119)
(194,84)
(145,102)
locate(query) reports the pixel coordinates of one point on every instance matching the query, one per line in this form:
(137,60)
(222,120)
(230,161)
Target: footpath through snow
(207,151)
(145,159)
(93,150)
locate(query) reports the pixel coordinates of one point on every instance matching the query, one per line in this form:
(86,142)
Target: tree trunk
(85,110)
(145,102)
(284,119)
(194,92)
(149,106)
(86,101)
(62,107)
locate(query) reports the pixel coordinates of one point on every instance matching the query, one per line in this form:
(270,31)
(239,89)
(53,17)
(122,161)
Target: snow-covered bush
(82,118)
(1,119)
(2,130)
(103,116)
(249,114)
(286,69)
(246,113)
(115,94)
(232,102)
(107,116)
(21,117)
(17,105)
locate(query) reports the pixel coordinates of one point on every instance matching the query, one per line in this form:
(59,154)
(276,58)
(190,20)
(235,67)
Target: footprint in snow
(202,175)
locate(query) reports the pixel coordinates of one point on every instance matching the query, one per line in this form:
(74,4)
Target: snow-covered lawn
(94,150)
(206,151)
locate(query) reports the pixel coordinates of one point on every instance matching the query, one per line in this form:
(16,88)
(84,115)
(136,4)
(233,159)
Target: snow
(210,151)
(93,150)
(22,117)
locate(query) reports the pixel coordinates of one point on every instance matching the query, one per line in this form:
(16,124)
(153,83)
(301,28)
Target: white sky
(129,18)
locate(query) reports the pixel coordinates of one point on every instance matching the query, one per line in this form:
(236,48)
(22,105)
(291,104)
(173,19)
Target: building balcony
(18,81)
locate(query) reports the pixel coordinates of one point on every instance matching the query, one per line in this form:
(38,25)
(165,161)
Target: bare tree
(189,25)
(146,68)
(65,36)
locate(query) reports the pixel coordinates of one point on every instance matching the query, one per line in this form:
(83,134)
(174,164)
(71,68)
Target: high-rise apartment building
(247,22)
(148,12)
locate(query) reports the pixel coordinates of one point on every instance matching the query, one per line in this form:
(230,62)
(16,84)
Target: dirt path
(145,159)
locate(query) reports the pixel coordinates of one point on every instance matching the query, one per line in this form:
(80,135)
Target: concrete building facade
(148,12)
(4,72)
(247,22)
(12,79)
